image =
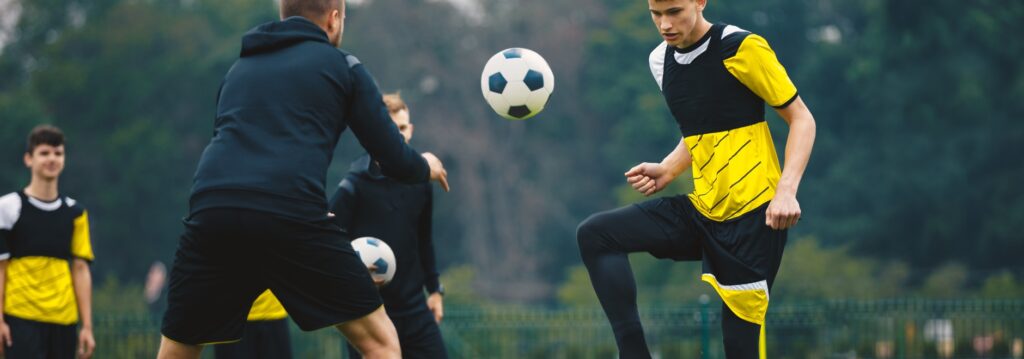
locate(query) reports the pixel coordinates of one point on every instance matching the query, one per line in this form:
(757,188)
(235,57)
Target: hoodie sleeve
(369,120)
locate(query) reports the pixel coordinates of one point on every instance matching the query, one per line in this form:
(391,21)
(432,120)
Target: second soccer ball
(374,252)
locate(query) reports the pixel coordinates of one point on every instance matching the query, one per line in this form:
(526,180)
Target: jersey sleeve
(81,241)
(10,210)
(755,65)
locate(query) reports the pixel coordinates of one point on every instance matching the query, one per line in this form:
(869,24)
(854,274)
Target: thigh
(213,281)
(28,339)
(372,332)
(319,278)
(658,226)
(420,337)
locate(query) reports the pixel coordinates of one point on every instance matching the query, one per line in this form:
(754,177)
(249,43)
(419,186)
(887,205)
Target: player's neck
(42,189)
(702,28)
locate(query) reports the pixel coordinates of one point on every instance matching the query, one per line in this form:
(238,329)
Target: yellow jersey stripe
(81,243)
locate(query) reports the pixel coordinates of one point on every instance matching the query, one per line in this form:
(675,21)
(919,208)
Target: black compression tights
(605,239)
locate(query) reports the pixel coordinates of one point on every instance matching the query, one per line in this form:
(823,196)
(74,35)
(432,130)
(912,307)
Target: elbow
(807,124)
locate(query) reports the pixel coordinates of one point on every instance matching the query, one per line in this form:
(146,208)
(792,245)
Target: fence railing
(833,329)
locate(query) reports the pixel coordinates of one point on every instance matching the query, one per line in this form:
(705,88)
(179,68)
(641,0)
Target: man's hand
(437,172)
(377,282)
(436,304)
(5,336)
(86,343)
(783,212)
(649,178)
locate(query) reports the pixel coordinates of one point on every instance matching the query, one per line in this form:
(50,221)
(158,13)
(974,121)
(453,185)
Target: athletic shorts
(227,257)
(740,256)
(33,339)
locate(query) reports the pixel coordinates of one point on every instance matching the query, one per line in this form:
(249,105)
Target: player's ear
(411,129)
(333,20)
(28,159)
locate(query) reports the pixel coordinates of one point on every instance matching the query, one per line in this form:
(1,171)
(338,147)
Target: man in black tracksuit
(370,204)
(258,214)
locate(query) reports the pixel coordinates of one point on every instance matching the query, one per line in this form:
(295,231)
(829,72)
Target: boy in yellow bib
(45,251)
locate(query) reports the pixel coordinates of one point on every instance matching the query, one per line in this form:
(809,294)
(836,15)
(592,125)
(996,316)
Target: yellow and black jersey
(716,89)
(267,307)
(40,239)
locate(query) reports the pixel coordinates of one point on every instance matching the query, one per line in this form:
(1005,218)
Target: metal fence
(834,329)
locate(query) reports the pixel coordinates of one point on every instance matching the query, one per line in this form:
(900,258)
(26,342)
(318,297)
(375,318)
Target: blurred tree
(947,281)
(1003,285)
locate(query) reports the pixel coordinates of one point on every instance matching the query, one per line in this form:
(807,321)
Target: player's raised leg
(373,335)
(605,240)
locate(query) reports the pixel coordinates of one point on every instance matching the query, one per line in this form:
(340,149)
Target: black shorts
(740,256)
(32,339)
(419,336)
(737,251)
(227,257)
(263,339)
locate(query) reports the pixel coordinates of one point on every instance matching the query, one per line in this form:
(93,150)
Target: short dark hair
(310,9)
(44,135)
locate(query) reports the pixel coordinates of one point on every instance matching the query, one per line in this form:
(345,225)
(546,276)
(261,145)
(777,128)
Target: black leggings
(605,240)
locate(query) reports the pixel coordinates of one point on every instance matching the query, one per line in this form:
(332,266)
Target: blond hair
(394,102)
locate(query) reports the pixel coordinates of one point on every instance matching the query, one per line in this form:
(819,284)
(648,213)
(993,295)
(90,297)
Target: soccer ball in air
(375,252)
(517,83)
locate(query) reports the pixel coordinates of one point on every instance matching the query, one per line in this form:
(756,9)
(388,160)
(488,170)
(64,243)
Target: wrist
(786,189)
(439,290)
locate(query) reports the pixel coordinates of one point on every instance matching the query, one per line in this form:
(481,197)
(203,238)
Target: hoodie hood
(277,35)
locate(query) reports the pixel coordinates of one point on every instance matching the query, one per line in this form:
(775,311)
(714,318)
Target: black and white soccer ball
(517,83)
(374,252)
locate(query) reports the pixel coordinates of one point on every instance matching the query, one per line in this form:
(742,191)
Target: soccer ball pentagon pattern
(517,83)
(374,251)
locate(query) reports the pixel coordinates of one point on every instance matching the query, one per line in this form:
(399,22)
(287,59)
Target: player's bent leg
(373,335)
(742,339)
(605,240)
(612,278)
(170,349)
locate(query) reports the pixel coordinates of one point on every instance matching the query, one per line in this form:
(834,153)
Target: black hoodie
(369,204)
(280,112)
